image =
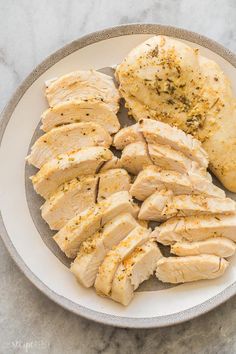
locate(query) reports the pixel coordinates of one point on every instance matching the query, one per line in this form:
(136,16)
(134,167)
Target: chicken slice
(156,132)
(93,251)
(65,167)
(80,111)
(70,199)
(85,224)
(196,228)
(112,181)
(170,159)
(218,246)
(108,268)
(126,136)
(163,205)
(111,164)
(133,271)
(65,139)
(135,157)
(153,179)
(191,268)
(83,85)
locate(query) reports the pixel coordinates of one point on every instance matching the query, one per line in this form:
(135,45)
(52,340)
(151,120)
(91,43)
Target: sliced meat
(153,178)
(111,164)
(70,199)
(83,85)
(218,246)
(163,205)
(65,139)
(135,157)
(65,167)
(80,111)
(85,224)
(170,159)
(112,181)
(133,271)
(191,268)
(162,133)
(108,268)
(93,251)
(196,228)
(126,136)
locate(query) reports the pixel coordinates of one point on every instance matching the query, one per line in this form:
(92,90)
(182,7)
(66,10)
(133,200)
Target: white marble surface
(29,31)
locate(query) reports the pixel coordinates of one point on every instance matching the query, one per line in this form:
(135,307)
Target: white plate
(28,240)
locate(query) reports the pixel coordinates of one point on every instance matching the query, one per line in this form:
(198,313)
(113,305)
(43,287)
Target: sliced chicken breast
(133,271)
(112,181)
(163,205)
(156,132)
(93,251)
(65,167)
(218,246)
(108,268)
(169,159)
(111,164)
(65,139)
(135,157)
(80,111)
(85,224)
(153,179)
(196,228)
(127,135)
(83,85)
(191,268)
(70,199)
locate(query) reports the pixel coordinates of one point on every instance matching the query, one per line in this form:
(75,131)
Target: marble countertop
(31,323)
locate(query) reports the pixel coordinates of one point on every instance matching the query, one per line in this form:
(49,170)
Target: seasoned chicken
(170,159)
(191,268)
(127,135)
(112,181)
(93,251)
(85,224)
(83,85)
(161,133)
(108,268)
(218,246)
(163,205)
(196,228)
(135,157)
(79,111)
(166,80)
(71,198)
(111,164)
(80,193)
(65,167)
(65,139)
(133,271)
(153,179)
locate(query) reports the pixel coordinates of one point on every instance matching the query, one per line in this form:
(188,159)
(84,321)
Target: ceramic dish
(28,239)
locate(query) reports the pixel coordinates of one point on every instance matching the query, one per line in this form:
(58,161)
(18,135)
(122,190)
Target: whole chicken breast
(153,179)
(65,167)
(191,268)
(93,251)
(218,246)
(107,270)
(80,111)
(133,271)
(135,157)
(85,224)
(163,205)
(65,139)
(166,80)
(83,85)
(196,228)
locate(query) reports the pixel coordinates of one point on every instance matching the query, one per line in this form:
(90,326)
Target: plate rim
(81,42)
